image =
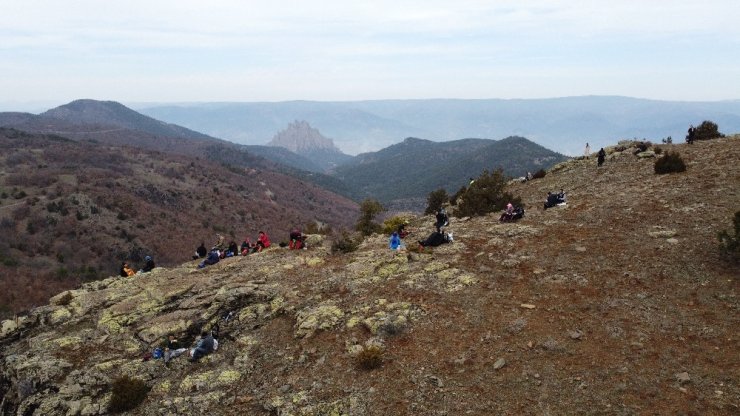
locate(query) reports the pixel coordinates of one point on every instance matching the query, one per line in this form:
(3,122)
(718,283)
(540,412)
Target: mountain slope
(111,113)
(617,303)
(72,211)
(112,123)
(415,167)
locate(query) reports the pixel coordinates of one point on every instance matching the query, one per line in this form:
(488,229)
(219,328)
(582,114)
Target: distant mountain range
(561,124)
(405,171)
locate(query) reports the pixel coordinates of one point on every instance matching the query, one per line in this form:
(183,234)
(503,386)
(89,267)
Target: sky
(55,51)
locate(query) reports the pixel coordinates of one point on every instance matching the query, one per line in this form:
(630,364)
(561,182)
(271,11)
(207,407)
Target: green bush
(128,393)
(670,163)
(435,201)
(369,208)
(460,192)
(486,195)
(539,174)
(370,357)
(391,224)
(729,245)
(707,130)
(344,243)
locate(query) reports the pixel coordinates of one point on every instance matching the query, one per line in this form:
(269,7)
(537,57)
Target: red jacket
(264,239)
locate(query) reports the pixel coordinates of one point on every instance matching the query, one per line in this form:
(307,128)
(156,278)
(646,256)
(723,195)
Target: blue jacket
(395,241)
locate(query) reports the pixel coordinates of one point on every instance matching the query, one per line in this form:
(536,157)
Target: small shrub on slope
(729,245)
(670,163)
(539,174)
(369,208)
(370,357)
(127,394)
(344,243)
(707,130)
(486,195)
(391,224)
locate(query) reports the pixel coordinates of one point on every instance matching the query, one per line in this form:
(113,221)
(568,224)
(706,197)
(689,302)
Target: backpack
(158,353)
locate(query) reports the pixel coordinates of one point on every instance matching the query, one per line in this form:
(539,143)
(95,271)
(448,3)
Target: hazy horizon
(246,51)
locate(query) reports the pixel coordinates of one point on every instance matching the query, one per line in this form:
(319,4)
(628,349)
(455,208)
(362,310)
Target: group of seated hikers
(206,344)
(555,199)
(127,271)
(221,250)
(438,237)
(512,213)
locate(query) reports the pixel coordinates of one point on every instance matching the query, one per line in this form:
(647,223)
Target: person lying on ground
(213,258)
(204,347)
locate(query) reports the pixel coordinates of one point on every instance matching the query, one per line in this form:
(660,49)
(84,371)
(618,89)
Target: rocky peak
(299,136)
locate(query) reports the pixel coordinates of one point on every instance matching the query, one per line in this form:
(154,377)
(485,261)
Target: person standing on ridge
(587,152)
(600,157)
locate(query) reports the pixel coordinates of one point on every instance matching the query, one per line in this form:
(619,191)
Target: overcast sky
(185,50)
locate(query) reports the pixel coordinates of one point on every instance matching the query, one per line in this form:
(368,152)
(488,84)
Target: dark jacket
(149,266)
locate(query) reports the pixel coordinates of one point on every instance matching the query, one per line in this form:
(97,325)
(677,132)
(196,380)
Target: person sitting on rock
(220,242)
(172,348)
(297,239)
(203,347)
(149,265)
(200,252)
(126,270)
(213,258)
(233,249)
(246,246)
(263,241)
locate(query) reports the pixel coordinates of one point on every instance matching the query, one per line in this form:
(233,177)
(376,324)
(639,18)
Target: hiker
(529,176)
(600,157)
(233,249)
(555,199)
(172,348)
(297,239)
(200,252)
(220,242)
(149,265)
(395,242)
(126,270)
(442,220)
(246,246)
(436,239)
(401,230)
(213,258)
(587,152)
(691,136)
(203,347)
(263,241)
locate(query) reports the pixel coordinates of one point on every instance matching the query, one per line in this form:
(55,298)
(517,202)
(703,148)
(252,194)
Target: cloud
(356,49)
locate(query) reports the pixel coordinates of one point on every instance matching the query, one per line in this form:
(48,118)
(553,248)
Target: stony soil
(616,304)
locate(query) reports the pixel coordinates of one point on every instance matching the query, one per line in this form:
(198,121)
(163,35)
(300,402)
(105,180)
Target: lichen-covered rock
(322,317)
